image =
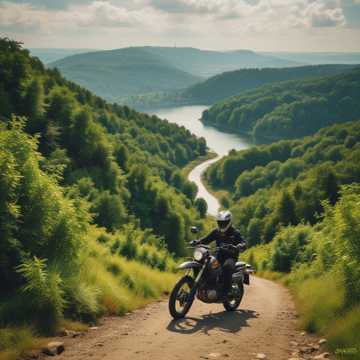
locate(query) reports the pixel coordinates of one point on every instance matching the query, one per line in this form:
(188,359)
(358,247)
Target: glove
(232,247)
(241,247)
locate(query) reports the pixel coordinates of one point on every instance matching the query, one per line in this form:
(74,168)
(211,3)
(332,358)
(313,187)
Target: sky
(260,25)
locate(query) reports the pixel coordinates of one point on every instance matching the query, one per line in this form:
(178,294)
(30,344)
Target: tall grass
(16,341)
(326,286)
(105,284)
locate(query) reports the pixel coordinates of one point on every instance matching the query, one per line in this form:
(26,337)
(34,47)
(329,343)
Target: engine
(207,291)
(207,295)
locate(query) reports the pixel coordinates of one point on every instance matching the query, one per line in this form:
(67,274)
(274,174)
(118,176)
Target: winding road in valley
(264,327)
(219,142)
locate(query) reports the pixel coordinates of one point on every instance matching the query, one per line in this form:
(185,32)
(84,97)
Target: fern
(45,293)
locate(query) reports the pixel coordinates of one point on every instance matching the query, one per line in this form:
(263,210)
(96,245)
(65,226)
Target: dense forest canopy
(228,84)
(93,203)
(286,182)
(291,109)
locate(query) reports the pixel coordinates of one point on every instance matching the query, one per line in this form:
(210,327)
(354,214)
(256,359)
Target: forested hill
(230,83)
(208,63)
(116,73)
(297,204)
(290,109)
(92,200)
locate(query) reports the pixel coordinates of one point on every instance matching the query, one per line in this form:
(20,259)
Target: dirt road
(265,323)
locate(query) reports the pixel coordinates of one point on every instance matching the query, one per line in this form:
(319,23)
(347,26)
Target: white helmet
(223,220)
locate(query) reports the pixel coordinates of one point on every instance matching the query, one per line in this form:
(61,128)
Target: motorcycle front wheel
(233,300)
(180,300)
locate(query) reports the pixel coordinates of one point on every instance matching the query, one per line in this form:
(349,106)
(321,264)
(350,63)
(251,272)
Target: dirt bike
(204,280)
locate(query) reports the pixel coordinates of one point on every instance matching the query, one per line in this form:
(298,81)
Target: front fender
(189,265)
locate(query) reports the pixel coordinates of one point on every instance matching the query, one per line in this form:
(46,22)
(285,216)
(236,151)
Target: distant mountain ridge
(137,70)
(122,72)
(48,55)
(229,84)
(316,58)
(208,63)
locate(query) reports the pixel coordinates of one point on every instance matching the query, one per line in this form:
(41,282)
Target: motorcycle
(204,280)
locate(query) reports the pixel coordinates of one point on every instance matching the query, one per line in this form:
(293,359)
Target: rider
(226,234)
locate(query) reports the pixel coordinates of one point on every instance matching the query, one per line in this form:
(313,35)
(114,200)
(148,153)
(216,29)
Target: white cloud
(21,15)
(326,13)
(212,23)
(103,14)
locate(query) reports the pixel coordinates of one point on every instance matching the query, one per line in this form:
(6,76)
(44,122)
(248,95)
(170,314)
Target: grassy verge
(189,167)
(108,284)
(320,302)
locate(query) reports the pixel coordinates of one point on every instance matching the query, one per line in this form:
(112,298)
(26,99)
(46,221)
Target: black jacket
(231,236)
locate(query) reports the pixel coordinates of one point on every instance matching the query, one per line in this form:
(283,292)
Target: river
(217,141)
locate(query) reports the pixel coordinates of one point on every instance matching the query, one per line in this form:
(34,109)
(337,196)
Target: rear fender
(189,265)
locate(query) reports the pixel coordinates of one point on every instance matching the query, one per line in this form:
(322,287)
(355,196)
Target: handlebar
(223,247)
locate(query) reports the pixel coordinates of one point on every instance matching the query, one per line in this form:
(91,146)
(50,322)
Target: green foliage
(110,211)
(290,109)
(83,137)
(37,220)
(43,289)
(201,206)
(82,186)
(15,341)
(327,286)
(286,182)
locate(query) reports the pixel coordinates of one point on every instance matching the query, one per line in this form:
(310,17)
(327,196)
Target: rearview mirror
(194,230)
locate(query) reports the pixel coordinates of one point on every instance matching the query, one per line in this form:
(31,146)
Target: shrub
(43,289)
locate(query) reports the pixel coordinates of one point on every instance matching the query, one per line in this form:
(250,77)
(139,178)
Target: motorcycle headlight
(198,255)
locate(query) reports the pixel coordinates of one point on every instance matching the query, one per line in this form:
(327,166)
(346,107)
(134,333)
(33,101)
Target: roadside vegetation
(94,209)
(297,203)
(321,265)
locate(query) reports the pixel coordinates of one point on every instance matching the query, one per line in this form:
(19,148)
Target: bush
(15,341)
(43,289)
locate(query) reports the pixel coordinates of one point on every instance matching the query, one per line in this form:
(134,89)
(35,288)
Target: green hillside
(297,204)
(291,109)
(117,73)
(208,63)
(93,203)
(228,84)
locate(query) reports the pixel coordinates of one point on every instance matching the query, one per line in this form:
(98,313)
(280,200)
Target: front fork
(197,280)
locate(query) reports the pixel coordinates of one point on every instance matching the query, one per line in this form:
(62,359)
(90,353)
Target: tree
(190,190)
(110,211)
(122,156)
(34,106)
(201,206)
(329,184)
(254,232)
(286,209)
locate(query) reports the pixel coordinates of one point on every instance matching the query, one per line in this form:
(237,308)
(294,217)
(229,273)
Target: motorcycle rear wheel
(231,303)
(181,295)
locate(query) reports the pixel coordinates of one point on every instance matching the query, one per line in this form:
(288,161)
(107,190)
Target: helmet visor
(223,224)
